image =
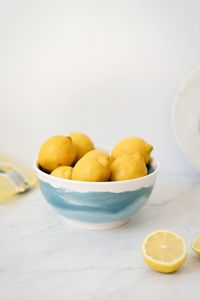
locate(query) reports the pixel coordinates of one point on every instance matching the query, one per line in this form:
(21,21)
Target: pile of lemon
(75,157)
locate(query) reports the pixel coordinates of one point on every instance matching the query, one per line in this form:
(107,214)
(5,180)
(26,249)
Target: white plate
(186,118)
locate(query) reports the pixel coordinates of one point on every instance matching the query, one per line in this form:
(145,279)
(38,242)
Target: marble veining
(42,257)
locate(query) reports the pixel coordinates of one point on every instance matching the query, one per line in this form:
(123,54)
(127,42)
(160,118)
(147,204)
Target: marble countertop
(42,257)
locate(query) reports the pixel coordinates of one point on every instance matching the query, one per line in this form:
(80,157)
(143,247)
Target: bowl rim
(98,183)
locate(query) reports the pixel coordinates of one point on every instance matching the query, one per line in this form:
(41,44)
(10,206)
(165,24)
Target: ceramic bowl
(97,205)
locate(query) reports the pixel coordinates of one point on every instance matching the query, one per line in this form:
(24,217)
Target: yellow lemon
(82,142)
(164,251)
(196,245)
(63,172)
(131,145)
(57,151)
(98,152)
(93,166)
(128,167)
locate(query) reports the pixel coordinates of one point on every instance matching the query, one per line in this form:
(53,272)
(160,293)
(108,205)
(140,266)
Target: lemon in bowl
(55,152)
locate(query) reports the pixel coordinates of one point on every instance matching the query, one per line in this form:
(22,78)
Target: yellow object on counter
(196,245)
(164,251)
(14,178)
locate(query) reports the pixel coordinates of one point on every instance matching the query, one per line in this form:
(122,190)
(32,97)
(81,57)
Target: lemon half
(164,251)
(196,245)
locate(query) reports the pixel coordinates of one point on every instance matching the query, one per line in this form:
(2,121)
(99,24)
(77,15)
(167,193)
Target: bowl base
(96,226)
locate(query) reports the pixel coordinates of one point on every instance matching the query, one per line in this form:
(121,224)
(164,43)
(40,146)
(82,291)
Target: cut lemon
(196,245)
(164,251)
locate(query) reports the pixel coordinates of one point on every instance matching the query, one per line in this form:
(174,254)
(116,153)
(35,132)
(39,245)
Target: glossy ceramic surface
(97,205)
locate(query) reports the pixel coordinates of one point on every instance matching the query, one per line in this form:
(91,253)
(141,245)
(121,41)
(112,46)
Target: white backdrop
(108,68)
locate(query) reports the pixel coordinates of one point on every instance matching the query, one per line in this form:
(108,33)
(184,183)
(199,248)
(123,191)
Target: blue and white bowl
(97,205)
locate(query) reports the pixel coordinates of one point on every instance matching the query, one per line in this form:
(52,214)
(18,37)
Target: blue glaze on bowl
(95,207)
